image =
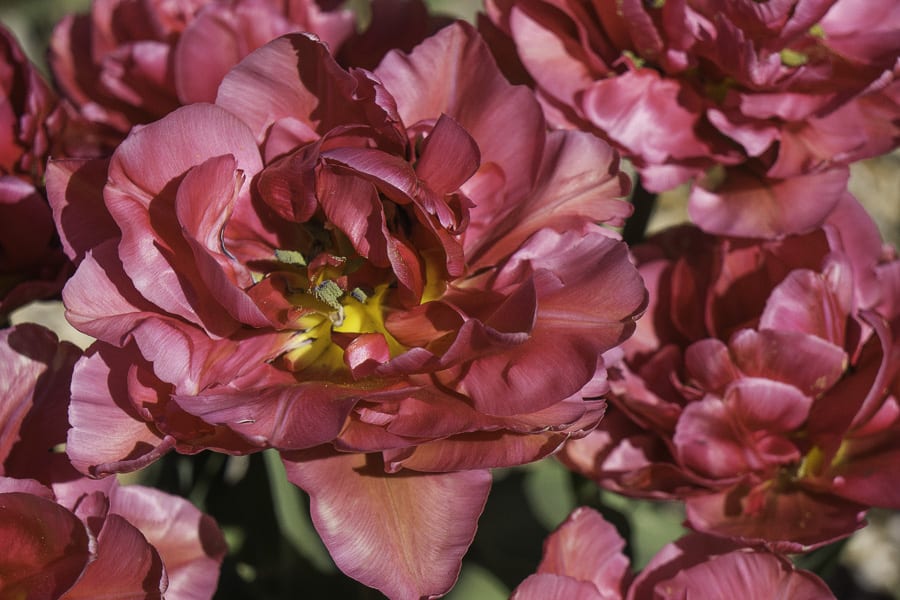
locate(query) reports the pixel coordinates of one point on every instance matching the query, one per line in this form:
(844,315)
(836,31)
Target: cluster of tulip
(391,255)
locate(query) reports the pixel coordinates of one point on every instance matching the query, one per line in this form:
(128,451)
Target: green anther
(817,31)
(792,58)
(290,257)
(659,3)
(637,60)
(359,295)
(330,293)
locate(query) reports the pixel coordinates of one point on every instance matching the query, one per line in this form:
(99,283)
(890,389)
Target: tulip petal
(587,548)
(751,206)
(45,547)
(404,534)
(541,586)
(105,427)
(127,566)
(789,520)
(505,121)
(75,193)
(189,542)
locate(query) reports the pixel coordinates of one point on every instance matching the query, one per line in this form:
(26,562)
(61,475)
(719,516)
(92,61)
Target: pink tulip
(583,560)
(68,537)
(32,265)
(741,97)
(761,386)
(131,62)
(394,278)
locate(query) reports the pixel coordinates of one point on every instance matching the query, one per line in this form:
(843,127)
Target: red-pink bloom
(68,537)
(394,278)
(131,62)
(583,560)
(761,386)
(743,96)
(31,263)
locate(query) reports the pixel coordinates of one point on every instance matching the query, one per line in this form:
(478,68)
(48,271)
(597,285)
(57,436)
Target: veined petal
(188,542)
(751,206)
(127,566)
(404,534)
(588,548)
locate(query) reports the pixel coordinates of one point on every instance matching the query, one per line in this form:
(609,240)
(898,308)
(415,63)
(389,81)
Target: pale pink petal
(630,108)
(542,586)
(505,121)
(141,169)
(750,206)
(587,548)
(404,534)
(578,180)
(744,574)
(105,427)
(99,298)
(807,362)
(323,96)
(577,320)
(188,542)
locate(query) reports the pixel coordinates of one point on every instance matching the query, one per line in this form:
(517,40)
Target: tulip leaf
(477,582)
(549,492)
(292,514)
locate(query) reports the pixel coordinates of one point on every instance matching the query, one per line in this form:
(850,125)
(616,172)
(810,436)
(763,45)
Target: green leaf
(548,489)
(292,514)
(477,582)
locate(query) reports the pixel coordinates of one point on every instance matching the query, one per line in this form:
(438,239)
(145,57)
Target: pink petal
(587,548)
(204,203)
(288,417)
(710,443)
(579,180)
(127,566)
(105,427)
(189,542)
(449,157)
(709,365)
(789,520)
(744,574)
(99,299)
(811,303)
(577,319)
(142,167)
(542,586)
(75,192)
(481,450)
(45,547)
(751,206)
(35,374)
(676,557)
(403,534)
(625,107)
(299,79)
(505,121)
(807,362)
